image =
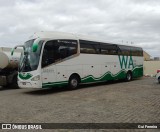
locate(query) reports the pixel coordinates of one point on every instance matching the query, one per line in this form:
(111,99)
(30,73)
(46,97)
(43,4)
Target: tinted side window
(110,49)
(129,50)
(137,51)
(89,47)
(67,48)
(140,52)
(56,50)
(124,50)
(134,51)
(48,57)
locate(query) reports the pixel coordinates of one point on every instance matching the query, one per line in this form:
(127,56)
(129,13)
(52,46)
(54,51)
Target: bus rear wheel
(129,76)
(73,82)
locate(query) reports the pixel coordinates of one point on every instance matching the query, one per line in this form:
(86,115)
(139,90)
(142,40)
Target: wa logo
(126,62)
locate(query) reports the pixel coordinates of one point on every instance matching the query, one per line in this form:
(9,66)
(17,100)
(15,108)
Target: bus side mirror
(12,51)
(34,47)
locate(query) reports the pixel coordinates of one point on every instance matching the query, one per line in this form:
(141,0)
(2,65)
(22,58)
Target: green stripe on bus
(136,72)
(54,84)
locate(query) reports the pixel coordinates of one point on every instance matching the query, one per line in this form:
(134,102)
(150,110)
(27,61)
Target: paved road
(131,102)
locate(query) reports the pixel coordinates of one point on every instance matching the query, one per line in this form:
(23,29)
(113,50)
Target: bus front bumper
(25,84)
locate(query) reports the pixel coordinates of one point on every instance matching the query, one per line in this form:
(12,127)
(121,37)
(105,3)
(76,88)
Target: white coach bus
(58,59)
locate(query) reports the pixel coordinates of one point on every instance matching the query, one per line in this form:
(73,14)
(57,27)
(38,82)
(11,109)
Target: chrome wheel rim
(129,77)
(74,82)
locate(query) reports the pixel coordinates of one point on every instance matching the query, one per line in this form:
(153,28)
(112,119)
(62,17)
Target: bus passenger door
(48,66)
(49,76)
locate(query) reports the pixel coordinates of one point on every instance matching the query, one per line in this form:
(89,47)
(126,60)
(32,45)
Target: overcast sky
(120,21)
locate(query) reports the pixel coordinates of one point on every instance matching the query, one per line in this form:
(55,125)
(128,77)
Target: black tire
(73,82)
(159,80)
(14,82)
(129,76)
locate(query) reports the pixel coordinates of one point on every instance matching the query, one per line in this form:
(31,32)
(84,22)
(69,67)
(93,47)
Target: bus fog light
(36,78)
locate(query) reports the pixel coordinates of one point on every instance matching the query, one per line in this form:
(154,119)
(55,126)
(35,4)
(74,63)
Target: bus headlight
(36,78)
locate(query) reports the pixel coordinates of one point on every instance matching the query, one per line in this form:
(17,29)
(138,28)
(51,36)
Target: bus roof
(63,35)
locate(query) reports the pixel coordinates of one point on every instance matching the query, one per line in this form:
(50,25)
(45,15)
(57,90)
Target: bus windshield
(29,60)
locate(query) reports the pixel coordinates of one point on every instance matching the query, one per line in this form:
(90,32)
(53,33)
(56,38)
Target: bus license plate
(24,83)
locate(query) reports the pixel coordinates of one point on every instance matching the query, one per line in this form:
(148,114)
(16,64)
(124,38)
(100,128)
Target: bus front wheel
(159,80)
(73,82)
(129,76)
(14,82)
